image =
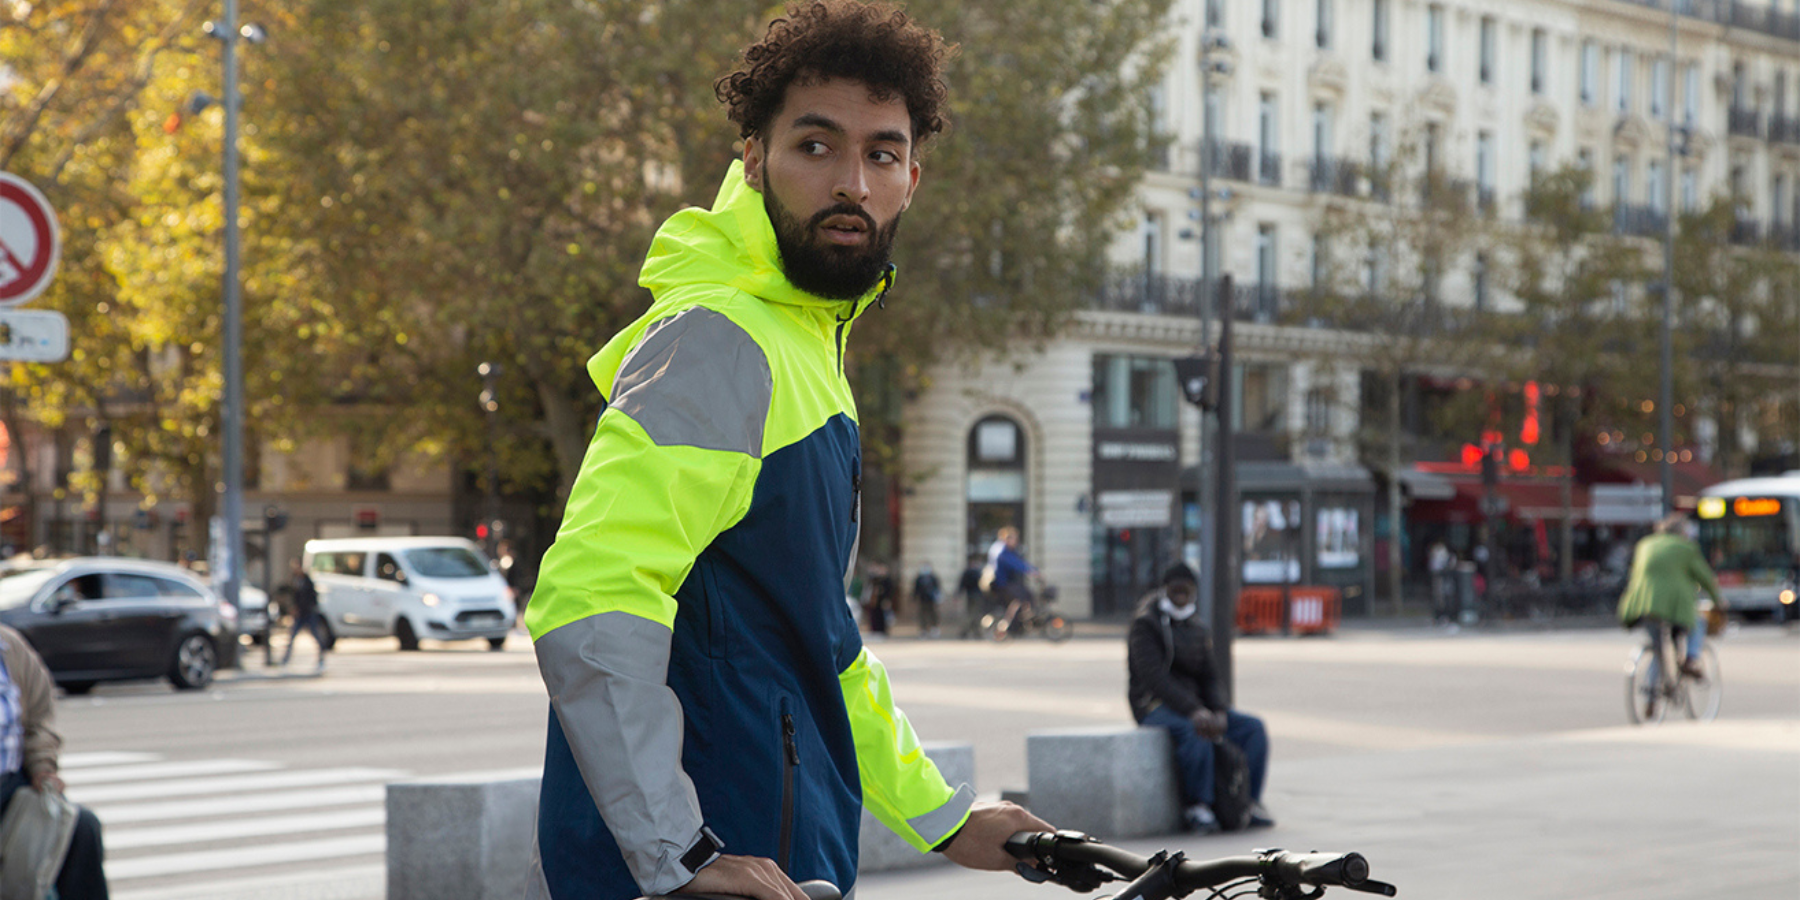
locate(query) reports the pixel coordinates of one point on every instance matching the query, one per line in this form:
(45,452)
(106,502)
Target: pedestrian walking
(926,592)
(306,616)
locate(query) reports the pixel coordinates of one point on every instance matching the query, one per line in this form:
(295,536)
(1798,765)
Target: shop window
(1134,392)
(1263,405)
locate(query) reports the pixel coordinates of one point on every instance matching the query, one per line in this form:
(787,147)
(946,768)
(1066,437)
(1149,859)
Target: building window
(1266,277)
(1153,243)
(1318,412)
(1621,182)
(1134,392)
(1215,13)
(1321,262)
(1271,14)
(1659,89)
(1778,216)
(1378,156)
(1480,278)
(1262,406)
(1487,49)
(1540,60)
(1740,86)
(1584,159)
(1690,95)
(1534,160)
(1622,81)
(1379,27)
(1653,177)
(1269,167)
(1484,168)
(1322,130)
(1434,38)
(1322,11)
(996,488)
(1590,73)
(1690,190)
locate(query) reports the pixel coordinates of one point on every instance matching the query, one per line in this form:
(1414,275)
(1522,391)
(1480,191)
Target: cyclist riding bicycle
(1011,585)
(1667,574)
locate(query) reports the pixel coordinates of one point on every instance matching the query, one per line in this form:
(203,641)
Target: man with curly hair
(716,723)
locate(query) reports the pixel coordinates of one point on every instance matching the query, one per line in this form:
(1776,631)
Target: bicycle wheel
(1057,629)
(1641,689)
(1700,697)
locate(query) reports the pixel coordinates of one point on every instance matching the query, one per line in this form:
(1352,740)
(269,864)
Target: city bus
(1750,533)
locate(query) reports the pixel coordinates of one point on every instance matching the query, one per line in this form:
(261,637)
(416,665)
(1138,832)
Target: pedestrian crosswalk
(240,828)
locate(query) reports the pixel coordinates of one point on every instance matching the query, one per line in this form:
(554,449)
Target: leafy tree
(1382,280)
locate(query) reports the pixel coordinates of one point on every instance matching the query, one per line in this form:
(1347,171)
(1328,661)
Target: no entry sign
(29,242)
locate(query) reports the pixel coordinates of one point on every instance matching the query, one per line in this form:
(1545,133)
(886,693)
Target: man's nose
(852,184)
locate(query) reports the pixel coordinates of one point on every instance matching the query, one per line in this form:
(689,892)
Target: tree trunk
(1395,580)
(568,437)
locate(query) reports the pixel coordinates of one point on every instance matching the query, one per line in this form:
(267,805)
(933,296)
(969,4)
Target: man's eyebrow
(816,120)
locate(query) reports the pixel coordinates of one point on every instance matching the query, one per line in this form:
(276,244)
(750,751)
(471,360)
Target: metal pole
(1666,401)
(233,512)
(1208,525)
(1225,543)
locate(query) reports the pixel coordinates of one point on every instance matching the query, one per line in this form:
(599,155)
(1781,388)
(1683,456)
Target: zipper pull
(787,732)
(855,493)
(887,284)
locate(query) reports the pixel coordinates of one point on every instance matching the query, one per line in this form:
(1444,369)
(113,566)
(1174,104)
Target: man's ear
(755,154)
(911,186)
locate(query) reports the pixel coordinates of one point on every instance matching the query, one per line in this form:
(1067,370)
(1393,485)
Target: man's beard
(826,270)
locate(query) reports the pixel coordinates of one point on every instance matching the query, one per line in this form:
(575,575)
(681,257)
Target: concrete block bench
(1111,782)
(461,837)
(469,837)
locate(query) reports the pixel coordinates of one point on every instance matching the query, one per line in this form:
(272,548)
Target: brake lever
(1375,887)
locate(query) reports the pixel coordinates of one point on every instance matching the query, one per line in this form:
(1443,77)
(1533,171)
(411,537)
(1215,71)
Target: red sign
(29,241)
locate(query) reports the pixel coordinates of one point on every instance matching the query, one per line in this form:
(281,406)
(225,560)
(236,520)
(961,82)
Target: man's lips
(844,229)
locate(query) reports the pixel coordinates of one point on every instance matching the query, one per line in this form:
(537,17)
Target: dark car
(110,618)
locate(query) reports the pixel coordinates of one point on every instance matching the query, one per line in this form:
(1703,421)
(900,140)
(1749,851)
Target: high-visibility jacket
(709,688)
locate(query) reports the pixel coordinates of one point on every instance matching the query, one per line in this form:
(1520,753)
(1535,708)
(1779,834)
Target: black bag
(1231,786)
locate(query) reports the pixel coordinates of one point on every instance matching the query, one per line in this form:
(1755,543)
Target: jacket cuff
(699,854)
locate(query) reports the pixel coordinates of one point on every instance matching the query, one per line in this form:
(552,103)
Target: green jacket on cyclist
(709,688)
(1667,571)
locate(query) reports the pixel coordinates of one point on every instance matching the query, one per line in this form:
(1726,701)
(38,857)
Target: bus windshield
(1740,544)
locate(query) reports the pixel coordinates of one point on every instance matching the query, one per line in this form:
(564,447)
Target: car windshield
(446,562)
(18,586)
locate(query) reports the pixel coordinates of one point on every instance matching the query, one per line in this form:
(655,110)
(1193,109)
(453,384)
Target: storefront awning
(1515,497)
(1426,485)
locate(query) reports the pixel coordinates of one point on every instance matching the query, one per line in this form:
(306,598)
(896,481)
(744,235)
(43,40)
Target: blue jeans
(312,623)
(82,876)
(1194,754)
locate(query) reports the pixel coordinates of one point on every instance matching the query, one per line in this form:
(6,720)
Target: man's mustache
(842,209)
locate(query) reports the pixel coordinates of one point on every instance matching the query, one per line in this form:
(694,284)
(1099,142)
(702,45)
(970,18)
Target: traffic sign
(33,335)
(29,242)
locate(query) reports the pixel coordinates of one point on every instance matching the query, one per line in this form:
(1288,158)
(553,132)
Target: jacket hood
(733,244)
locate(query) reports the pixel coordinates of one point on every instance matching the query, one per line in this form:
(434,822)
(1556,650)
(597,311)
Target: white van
(410,587)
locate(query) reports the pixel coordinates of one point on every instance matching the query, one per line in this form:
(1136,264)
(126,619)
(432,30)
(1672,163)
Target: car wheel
(409,639)
(195,662)
(77,688)
(498,643)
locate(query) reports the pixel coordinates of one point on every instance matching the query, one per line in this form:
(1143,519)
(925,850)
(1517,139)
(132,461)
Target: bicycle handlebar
(814,890)
(1079,862)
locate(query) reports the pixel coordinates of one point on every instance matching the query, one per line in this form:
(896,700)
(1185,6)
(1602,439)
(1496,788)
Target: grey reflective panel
(607,676)
(697,380)
(936,825)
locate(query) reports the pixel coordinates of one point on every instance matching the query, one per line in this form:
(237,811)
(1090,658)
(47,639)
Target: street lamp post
(1665,399)
(490,406)
(231,556)
(1211,40)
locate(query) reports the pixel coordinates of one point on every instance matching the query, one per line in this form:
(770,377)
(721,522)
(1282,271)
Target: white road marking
(226,829)
(198,787)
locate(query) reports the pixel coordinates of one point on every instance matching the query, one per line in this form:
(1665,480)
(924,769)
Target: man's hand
(47,781)
(1208,724)
(744,876)
(981,844)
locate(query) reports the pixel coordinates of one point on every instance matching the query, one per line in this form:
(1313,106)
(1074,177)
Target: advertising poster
(1339,544)
(1271,531)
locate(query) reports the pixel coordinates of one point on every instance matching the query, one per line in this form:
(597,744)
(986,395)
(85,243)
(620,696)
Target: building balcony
(1785,129)
(1743,122)
(1230,160)
(1760,17)
(1641,221)
(1268,169)
(1169,295)
(1746,231)
(1785,237)
(1331,175)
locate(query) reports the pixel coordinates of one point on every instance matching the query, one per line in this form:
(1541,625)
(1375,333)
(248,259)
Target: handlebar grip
(814,890)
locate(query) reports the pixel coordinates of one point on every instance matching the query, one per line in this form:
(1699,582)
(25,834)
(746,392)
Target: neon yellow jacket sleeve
(901,786)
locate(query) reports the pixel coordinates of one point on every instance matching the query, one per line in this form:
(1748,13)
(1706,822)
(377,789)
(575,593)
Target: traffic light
(274,519)
(1199,377)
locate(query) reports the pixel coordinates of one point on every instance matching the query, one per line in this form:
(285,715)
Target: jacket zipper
(792,760)
(887,284)
(855,492)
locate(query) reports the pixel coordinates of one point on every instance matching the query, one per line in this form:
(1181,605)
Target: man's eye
(812,148)
(885,156)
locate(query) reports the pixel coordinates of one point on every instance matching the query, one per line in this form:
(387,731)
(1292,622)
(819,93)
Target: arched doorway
(995,490)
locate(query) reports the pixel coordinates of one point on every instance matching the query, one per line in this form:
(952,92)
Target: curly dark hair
(873,43)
